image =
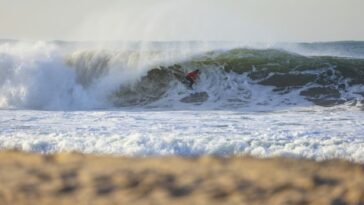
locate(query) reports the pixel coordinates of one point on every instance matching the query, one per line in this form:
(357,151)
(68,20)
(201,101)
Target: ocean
(301,100)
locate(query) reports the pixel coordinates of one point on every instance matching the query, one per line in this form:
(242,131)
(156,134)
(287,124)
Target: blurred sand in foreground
(79,179)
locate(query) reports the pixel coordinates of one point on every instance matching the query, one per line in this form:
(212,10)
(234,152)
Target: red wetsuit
(191,77)
(193,74)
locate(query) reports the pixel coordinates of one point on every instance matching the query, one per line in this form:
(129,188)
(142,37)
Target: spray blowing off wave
(44,78)
(62,76)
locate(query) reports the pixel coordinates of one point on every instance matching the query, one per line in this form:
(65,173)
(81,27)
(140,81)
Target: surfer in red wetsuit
(192,76)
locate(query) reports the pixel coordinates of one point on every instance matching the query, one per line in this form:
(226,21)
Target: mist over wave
(66,75)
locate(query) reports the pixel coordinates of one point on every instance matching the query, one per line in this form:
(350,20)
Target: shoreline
(73,178)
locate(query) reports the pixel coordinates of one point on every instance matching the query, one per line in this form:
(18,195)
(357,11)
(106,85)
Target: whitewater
(301,100)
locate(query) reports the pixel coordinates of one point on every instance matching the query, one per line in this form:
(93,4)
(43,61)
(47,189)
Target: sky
(182,20)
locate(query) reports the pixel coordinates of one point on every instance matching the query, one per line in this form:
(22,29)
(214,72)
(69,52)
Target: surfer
(192,76)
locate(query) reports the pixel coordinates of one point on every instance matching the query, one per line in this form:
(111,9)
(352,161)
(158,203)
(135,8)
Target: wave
(324,81)
(54,76)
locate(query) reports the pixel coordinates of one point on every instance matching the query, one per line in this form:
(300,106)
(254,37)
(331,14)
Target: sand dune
(86,179)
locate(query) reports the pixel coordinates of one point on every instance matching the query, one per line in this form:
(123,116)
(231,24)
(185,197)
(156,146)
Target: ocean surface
(301,100)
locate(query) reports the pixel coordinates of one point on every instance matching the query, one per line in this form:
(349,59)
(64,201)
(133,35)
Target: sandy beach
(28,178)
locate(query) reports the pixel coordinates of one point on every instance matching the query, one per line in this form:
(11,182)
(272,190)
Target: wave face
(60,75)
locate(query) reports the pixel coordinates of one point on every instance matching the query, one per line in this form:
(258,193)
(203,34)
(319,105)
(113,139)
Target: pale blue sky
(242,20)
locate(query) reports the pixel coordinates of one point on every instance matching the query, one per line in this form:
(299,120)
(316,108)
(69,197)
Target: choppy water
(311,132)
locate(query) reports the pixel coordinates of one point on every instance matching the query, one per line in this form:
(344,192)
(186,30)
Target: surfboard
(197,97)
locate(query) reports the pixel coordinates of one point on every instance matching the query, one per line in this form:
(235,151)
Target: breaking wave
(58,76)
